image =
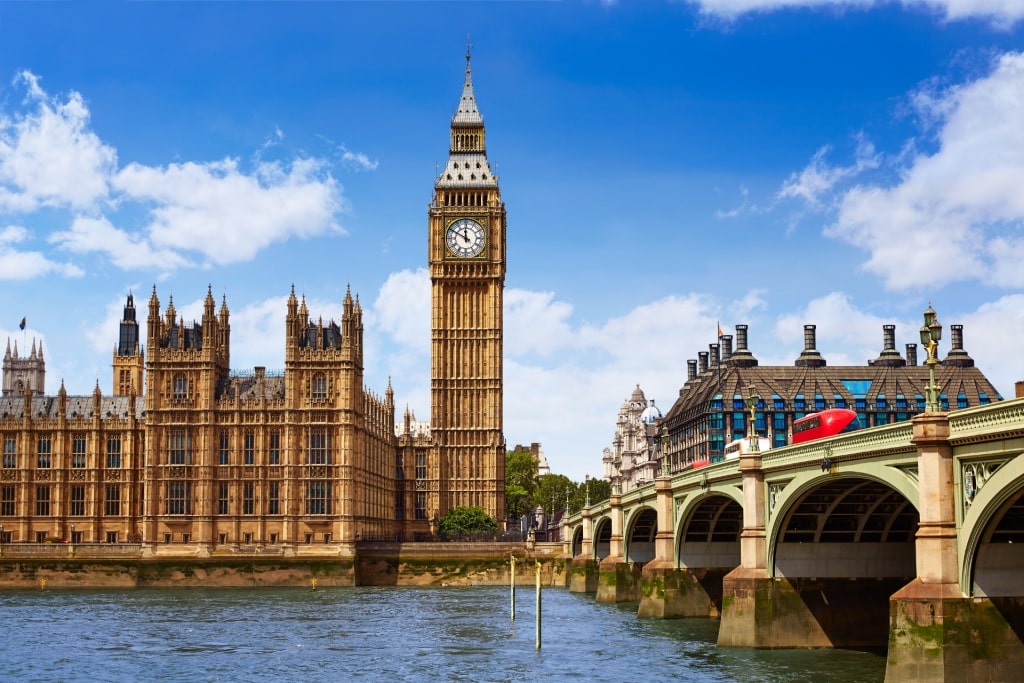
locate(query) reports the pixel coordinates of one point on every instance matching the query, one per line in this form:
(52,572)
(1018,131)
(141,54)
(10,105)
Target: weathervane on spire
(469,47)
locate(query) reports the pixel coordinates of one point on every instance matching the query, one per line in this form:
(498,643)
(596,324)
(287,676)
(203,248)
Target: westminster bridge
(908,537)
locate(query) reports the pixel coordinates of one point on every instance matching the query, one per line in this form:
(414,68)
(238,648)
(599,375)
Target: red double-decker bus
(826,423)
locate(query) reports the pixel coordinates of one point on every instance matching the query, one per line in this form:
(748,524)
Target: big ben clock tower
(467,275)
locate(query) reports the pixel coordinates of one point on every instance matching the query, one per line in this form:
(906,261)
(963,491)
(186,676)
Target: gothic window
(44,454)
(222,499)
(249,448)
(180,387)
(179,447)
(225,447)
(78,451)
(275,447)
(10,453)
(421,464)
(319,390)
(113,452)
(178,498)
(248,498)
(318,447)
(274,498)
(318,498)
(6,502)
(43,501)
(77,507)
(421,505)
(112,506)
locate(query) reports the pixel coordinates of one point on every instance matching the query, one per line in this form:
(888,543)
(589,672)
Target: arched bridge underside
(855,541)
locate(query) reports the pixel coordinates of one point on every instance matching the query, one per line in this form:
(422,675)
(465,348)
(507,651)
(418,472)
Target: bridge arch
(576,545)
(708,530)
(873,509)
(830,532)
(991,538)
(641,529)
(602,538)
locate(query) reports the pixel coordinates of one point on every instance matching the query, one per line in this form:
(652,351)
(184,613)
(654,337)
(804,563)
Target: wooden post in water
(538,605)
(513,582)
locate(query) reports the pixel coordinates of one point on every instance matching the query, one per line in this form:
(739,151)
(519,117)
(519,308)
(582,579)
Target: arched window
(180,386)
(319,389)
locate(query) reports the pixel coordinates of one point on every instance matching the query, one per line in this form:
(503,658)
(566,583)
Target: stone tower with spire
(129,359)
(466,226)
(24,372)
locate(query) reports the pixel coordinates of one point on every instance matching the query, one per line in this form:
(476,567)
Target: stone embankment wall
(413,564)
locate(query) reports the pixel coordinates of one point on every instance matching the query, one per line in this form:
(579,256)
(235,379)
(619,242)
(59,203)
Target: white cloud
(357,160)
(819,178)
(25,265)
(1001,13)
(48,155)
(953,214)
(536,323)
(992,335)
(227,215)
(127,251)
(844,334)
(402,309)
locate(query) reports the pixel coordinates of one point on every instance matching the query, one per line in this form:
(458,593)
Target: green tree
(520,482)
(600,490)
(467,522)
(551,492)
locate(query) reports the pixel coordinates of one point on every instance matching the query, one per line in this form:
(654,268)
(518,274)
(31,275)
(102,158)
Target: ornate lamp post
(586,504)
(753,441)
(931,333)
(617,464)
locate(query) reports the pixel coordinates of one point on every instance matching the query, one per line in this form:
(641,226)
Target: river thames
(396,634)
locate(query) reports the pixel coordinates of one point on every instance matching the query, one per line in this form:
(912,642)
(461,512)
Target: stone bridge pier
(787,593)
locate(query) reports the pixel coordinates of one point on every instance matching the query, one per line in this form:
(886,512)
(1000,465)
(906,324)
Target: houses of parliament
(188,454)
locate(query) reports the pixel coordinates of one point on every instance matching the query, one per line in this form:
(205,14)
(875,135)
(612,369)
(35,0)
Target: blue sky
(665,165)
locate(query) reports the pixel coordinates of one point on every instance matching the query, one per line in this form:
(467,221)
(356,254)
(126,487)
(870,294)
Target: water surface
(395,634)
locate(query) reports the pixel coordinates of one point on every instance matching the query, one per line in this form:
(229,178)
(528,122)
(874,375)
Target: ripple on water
(400,634)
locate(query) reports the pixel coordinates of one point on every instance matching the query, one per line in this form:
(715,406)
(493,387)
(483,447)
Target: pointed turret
(128,358)
(467,155)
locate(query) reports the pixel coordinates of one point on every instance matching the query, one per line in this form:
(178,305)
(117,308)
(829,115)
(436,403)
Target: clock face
(465,237)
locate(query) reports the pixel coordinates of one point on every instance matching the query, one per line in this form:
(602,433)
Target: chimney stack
(889,357)
(691,369)
(726,347)
(742,358)
(809,357)
(912,354)
(702,357)
(957,356)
